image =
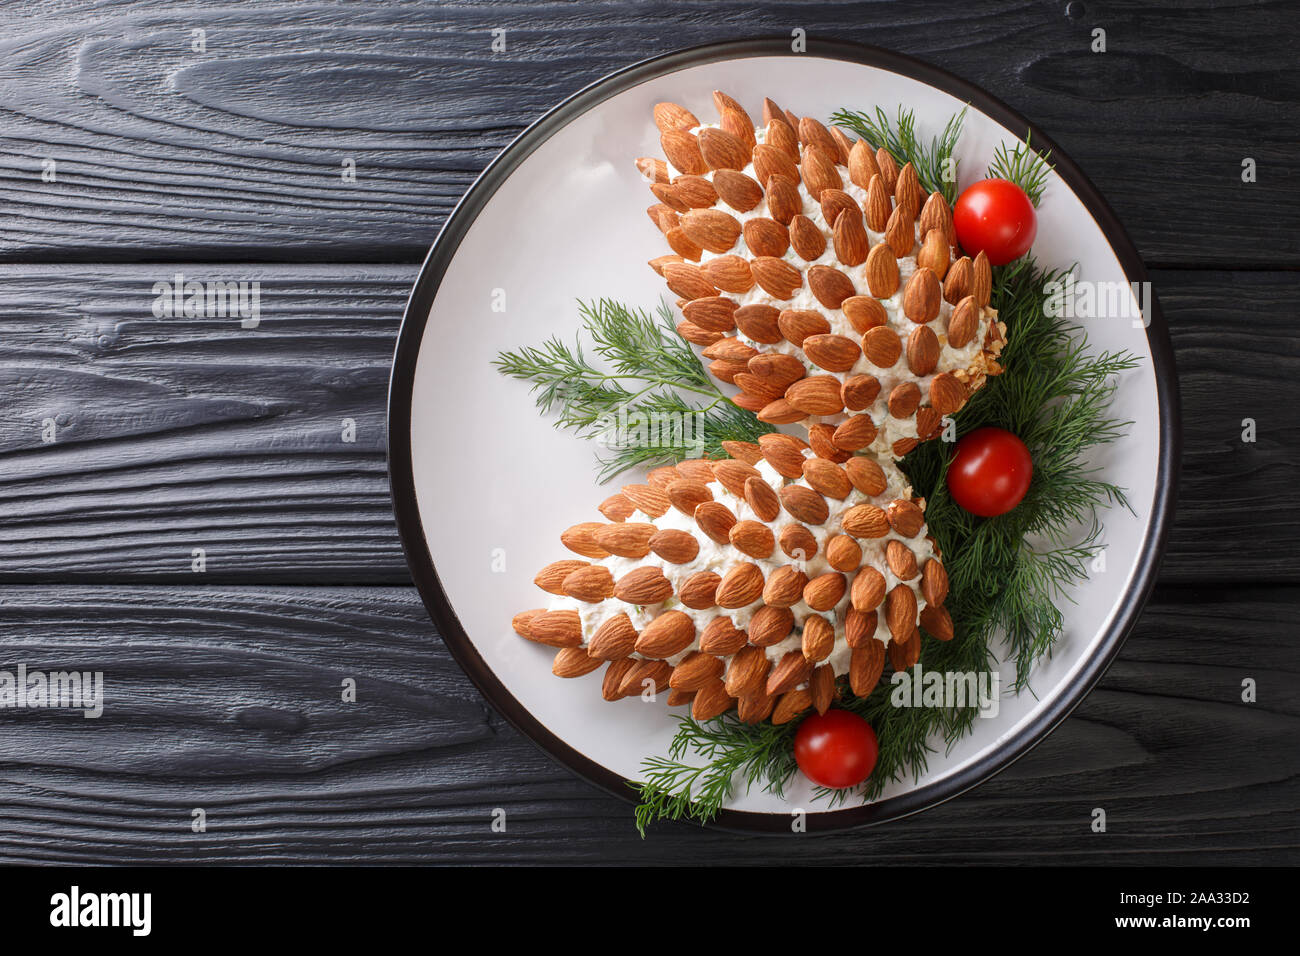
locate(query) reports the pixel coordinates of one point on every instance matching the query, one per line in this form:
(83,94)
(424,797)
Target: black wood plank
(175,433)
(228,700)
(237,151)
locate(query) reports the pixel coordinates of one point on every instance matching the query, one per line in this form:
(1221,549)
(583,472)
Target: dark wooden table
(172,434)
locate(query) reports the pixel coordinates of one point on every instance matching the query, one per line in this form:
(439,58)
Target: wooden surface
(174,434)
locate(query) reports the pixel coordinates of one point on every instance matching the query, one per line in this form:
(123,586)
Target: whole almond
(777,277)
(935,252)
(855,433)
(675,546)
(780,412)
(797,542)
(679,698)
(683,151)
(671,116)
(859,391)
(770,625)
(830,286)
(947,393)
(834,353)
(817,394)
(711,229)
(668,634)
(798,324)
(746,451)
(818,638)
(888,169)
(581,539)
(844,142)
(642,586)
(804,504)
(908,193)
(937,622)
(753,538)
(551,578)
(783,453)
(859,627)
(921,297)
(806,239)
(770,161)
(866,665)
(755,708)
(868,590)
(616,508)
(900,232)
(522,622)
(721,150)
(693,333)
(877,207)
(836,201)
(813,133)
(741,586)
(790,670)
(783,138)
(715,313)
(865,521)
(645,676)
(904,399)
(556,629)
(784,587)
(862,164)
(615,674)
(737,190)
(851,243)
(650,501)
(738,124)
(820,437)
(652,170)
(766,237)
(658,262)
(733,475)
(865,312)
(963,322)
(721,637)
(827,478)
(715,520)
(934,582)
(729,273)
(937,214)
(928,422)
(881,271)
(957,284)
(683,245)
(843,553)
(922,350)
(783,199)
(758,322)
(905,517)
(590,584)
(687,281)
(882,347)
(730,348)
(776,368)
(747,672)
(790,705)
(866,475)
(818,172)
(903,446)
(900,611)
(762,499)
(695,670)
(981,280)
(825,591)
(901,560)
(699,590)
(822,687)
(614,639)
(573,662)
(670,197)
(696,191)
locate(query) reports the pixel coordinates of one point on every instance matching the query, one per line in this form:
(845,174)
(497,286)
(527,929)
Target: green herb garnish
(1024,166)
(935,165)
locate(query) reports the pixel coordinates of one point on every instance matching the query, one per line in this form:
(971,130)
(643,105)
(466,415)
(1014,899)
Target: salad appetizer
(854,309)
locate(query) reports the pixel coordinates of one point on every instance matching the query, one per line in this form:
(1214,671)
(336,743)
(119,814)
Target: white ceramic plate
(482,482)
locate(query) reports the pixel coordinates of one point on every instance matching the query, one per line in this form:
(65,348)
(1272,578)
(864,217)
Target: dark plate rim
(402,479)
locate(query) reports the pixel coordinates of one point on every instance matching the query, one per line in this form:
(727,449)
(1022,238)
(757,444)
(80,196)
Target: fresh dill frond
(1024,166)
(935,165)
(650,400)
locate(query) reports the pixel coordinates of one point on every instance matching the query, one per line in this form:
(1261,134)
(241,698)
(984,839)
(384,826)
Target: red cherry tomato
(990,472)
(836,749)
(995,217)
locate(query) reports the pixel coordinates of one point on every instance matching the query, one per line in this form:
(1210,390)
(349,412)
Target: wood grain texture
(175,433)
(228,699)
(164,153)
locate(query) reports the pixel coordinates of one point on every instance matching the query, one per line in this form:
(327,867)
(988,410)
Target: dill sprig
(935,165)
(650,401)
(1024,166)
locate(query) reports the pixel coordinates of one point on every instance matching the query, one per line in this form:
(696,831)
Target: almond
(866,475)
(928,422)
(762,499)
(551,578)
(777,369)
(937,214)
(696,191)
(733,475)
(822,687)
(671,116)
(783,199)
(818,172)
(868,589)
(669,199)
(797,542)
(825,591)
(957,285)
(813,133)
(777,277)
(881,271)
(770,625)
(658,262)
(855,433)
(770,161)
(947,393)
(683,151)
(780,412)
(816,395)
(678,698)
(687,281)
(662,477)
(710,701)
(806,239)
(865,312)
(615,674)
(830,286)
(737,190)
(851,243)
(903,446)
(741,586)
(882,346)
(721,637)
(904,653)
(784,587)
(675,546)
(652,170)
(862,164)
(683,246)
(859,391)
(905,517)
(732,349)
(736,121)
(695,670)
(866,665)
(798,324)
(844,142)
(935,253)
(820,438)
(753,538)
(773,112)
(901,560)
(818,638)
(726,371)
(937,622)
(668,634)
(590,584)
(581,539)
(900,232)
(860,626)
(693,333)
(780,135)
(650,501)
(627,539)
(921,297)
(804,504)
(900,611)
(791,670)
(877,207)
(699,591)
(934,582)
(888,169)
(783,453)
(614,639)
(643,586)
(827,478)
(904,399)
(616,508)
(834,353)
(837,201)
(865,521)
(522,621)
(766,237)
(711,229)
(556,629)
(922,350)
(729,273)
(715,520)
(963,322)
(716,313)
(908,193)
(747,672)
(790,705)
(746,451)
(843,553)
(721,150)
(759,323)
(645,676)
(574,662)
(981,280)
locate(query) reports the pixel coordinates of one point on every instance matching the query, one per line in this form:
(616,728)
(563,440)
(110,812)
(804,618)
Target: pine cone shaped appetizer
(819,277)
(754,581)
